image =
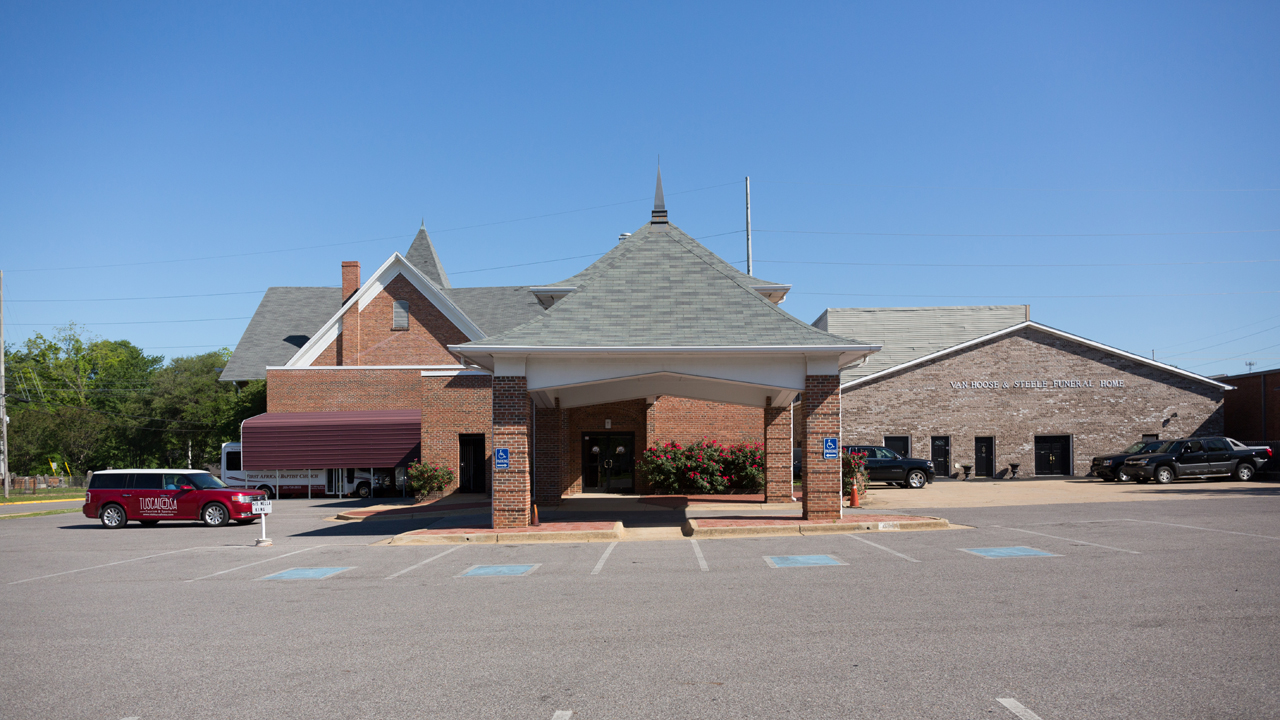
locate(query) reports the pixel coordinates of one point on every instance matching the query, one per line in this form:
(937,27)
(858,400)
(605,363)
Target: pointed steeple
(422,255)
(659,204)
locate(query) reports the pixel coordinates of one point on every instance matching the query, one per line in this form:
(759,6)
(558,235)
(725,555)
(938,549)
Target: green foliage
(94,403)
(704,468)
(426,478)
(853,469)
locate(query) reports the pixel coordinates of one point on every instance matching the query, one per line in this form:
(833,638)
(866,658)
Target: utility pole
(748,224)
(4,413)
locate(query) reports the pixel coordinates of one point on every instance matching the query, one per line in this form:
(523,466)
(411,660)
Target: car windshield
(1136,447)
(1151,447)
(205,481)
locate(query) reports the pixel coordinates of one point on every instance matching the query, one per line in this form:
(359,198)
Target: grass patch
(51,494)
(38,514)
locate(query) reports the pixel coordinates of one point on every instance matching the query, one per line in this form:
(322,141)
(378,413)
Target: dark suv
(1111,467)
(887,466)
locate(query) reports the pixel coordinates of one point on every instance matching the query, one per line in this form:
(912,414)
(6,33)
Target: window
(1217,445)
(147,481)
(108,481)
(233,461)
(400,315)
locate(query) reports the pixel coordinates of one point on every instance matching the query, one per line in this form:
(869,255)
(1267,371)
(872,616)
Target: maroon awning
(318,440)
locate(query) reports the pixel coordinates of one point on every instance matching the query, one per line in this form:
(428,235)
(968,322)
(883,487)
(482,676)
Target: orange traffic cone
(535,522)
(853,496)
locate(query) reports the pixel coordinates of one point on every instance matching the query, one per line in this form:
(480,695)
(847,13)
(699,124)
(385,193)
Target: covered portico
(661,315)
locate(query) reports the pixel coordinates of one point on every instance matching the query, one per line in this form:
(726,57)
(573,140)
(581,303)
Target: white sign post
(263,508)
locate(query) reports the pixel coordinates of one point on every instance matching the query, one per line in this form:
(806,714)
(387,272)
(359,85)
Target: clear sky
(1114,165)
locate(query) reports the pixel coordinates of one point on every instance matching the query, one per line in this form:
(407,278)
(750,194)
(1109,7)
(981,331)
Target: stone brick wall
(511,418)
(777,453)
(821,408)
(628,416)
(687,421)
(423,343)
(1252,410)
(327,390)
(922,402)
(453,406)
(551,428)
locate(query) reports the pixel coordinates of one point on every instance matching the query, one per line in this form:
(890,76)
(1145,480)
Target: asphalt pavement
(1152,609)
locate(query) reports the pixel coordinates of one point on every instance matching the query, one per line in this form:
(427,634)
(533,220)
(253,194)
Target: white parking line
(95,567)
(1193,527)
(562,715)
(277,557)
(424,562)
(1016,708)
(1078,542)
(599,565)
(893,552)
(702,562)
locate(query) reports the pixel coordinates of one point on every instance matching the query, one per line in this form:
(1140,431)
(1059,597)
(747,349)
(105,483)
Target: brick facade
(687,421)
(551,449)
(331,390)
(511,418)
(821,408)
(453,406)
(777,453)
(1252,411)
(921,402)
(630,416)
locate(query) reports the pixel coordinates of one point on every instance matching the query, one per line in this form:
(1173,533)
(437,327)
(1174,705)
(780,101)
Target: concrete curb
(344,517)
(691,528)
(550,536)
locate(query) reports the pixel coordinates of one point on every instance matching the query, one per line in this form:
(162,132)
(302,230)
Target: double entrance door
(1053,454)
(608,462)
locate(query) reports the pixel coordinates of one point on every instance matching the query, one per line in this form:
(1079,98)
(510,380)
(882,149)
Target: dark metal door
(608,462)
(471,464)
(1053,454)
(900,444)
(984,456)
(940,454)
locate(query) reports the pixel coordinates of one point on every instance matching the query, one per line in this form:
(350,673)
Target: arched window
(400,315)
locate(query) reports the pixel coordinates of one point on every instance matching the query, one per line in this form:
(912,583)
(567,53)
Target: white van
(309,483)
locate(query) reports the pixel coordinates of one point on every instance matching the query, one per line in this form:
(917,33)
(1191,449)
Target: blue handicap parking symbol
(781,561)
(315,573)
(830,448)
(1008,552)
(502,458)
(498,570)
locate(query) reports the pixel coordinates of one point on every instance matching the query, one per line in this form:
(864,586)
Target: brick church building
(543,391)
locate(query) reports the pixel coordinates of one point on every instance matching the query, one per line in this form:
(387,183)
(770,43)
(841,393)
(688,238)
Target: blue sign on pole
(830,448)
(501,459)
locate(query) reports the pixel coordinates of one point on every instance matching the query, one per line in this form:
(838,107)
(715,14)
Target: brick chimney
(350,278)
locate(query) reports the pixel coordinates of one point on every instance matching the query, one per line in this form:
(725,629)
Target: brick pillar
(549,463)
(511,431)
(821,420)
(777,453)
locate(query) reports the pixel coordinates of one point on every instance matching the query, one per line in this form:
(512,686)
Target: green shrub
(704,468)
(425,479)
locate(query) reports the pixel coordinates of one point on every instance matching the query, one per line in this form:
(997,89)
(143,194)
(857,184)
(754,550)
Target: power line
(1217,334)
(1015,265)
(1010,297)
(1021,235)
(140,322)
(1017,189)
(1224,342)
(152,297)
(1237,357)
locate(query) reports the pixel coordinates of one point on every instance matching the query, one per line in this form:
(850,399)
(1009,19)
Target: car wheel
(362,490)
(267,489)
(916,479)
(113,517)
(149,523)
(1122,476)
(1244,472)
(215,515)
(1164,475)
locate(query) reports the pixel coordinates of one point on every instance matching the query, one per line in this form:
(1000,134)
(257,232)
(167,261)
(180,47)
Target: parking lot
(1100,610)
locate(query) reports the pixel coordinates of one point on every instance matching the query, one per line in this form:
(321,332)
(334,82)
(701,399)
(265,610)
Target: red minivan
(117,496)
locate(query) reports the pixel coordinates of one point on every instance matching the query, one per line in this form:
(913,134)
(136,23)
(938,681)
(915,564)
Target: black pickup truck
(1111,467)
(1197,457)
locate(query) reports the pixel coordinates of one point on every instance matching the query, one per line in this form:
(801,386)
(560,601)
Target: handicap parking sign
(502,458)
(830,448)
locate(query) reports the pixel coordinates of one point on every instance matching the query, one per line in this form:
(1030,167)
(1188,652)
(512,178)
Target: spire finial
(424,224)
(659,204)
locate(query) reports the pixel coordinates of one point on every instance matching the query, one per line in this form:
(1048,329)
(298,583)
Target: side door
(1219,454)
(184,496)
(1193,460)
(147,499)
(875,465)
(894,469)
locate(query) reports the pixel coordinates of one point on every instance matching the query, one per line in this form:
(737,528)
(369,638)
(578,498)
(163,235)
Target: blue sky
(1097,161)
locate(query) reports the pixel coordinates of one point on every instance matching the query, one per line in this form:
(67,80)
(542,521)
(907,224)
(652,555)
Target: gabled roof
(496,309)
(913,332)
(422,255)
(285,320)
(396,265)
(661,288)
(1045,329)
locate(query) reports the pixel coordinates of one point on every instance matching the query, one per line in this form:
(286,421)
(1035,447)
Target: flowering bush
(704,468)
(853,469)
(425,478)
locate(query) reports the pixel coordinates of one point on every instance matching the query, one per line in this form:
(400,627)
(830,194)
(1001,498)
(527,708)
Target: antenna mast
(4,415)
(748,224)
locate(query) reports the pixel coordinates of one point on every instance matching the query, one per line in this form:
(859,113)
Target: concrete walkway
(997,493)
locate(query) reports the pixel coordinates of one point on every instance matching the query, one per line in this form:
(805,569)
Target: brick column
(549,463)
(777,453)
(511,431)
(821,420)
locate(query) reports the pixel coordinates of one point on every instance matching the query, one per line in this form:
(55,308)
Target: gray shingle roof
(496,309)
(285,320)
(910,333)
(422,255)
(660,287)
